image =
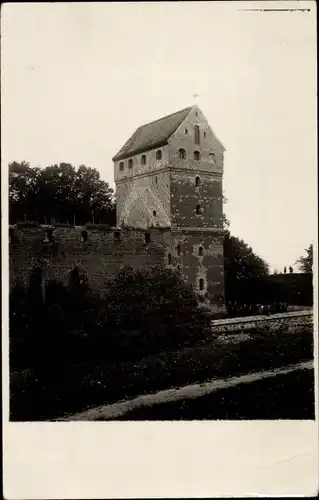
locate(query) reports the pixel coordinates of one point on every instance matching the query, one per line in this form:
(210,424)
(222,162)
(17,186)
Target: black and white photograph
(160,211)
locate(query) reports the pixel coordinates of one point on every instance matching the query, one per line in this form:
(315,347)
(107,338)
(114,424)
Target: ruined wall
(102,255)
(300,320)
(105,251)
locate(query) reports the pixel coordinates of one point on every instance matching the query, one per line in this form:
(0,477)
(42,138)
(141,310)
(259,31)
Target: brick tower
(169,175)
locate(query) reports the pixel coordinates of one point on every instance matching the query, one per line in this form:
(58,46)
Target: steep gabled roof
(152,135)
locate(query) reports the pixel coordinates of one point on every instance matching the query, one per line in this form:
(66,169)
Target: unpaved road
(121,408)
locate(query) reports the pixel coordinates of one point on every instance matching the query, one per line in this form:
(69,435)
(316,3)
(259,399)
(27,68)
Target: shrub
(142,313)
(157,302)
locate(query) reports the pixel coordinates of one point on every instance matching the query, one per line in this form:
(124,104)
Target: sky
(78,79)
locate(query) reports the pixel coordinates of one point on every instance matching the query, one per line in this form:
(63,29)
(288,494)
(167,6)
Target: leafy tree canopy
(240,260)
(59,193)
(305,263)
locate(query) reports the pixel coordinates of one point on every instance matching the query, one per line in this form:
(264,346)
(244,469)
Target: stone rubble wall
(292,320)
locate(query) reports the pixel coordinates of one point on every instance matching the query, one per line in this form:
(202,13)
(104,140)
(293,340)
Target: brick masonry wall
(142,189)
(100,255)
(103,256)
(168,185)
(209,168)
(184,249)
(185,195)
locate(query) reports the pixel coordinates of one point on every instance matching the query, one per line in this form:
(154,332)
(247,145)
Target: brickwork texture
(169,213)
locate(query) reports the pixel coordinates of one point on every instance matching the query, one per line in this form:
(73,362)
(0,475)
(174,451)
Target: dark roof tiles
(152,135)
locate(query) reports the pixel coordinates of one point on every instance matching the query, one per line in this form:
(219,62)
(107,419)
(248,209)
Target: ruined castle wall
(101,255)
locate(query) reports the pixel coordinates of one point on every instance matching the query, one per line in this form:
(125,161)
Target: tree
(240,260)
(240,263)
(305,263)
(59,193)
(23,182)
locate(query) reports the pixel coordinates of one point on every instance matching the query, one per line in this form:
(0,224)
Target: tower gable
(195,136)
(196,159)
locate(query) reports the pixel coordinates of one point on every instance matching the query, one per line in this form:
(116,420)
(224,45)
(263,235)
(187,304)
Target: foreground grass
(75,388)
(289,396)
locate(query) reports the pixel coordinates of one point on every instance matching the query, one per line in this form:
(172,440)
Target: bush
(142,313)
(156,302)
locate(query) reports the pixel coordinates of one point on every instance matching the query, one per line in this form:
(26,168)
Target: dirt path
(107,412)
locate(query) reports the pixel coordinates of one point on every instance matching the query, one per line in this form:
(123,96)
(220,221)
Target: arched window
(121,166)
(197,134)
(147,238)
(201,284)
(116,235)
(196,155)
(154,213)
(143,160)
(178,249)
(182,153)
(130,163)
(159,154)
(169,259)
(198,211)
(201,251)
(186,131)
(84,235)
(197,181)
